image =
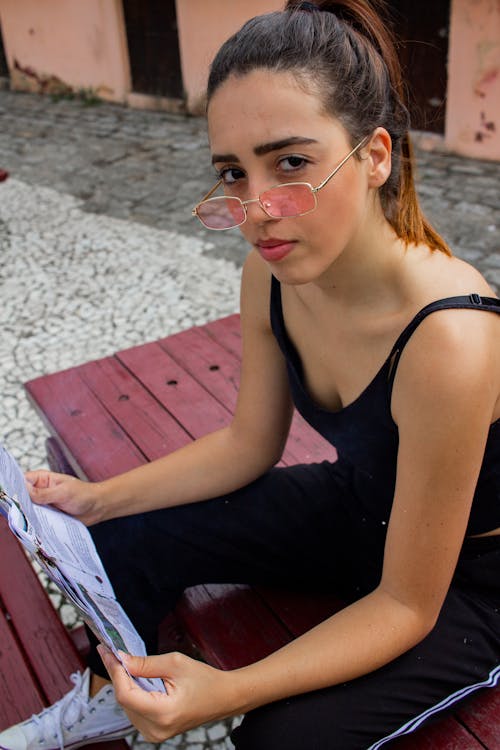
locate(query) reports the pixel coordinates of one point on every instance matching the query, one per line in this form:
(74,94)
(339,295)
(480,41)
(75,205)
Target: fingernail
(103,652)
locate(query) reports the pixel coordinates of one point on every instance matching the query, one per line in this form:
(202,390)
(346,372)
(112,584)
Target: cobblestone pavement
(99,250)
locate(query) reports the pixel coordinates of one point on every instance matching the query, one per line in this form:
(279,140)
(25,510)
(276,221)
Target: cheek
(342,208)
(335,218)
(245,231)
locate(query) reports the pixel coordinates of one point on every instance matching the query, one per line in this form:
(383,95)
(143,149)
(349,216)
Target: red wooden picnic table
(110,415)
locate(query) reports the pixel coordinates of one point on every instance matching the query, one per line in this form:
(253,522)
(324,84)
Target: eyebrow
(266,148)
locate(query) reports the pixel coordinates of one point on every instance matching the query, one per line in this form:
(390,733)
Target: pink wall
(473,108)
(81,42)
(203,26)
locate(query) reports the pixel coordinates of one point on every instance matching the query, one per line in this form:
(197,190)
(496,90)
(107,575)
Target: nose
(256,211)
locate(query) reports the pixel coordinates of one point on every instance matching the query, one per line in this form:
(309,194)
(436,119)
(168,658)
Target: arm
(443,403)
(215,464)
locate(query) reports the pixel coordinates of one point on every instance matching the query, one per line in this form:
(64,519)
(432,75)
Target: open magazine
(66,552)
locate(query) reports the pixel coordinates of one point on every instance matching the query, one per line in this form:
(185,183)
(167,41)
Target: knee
(260,730)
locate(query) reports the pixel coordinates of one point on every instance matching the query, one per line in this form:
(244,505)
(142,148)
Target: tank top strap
(275,292)
(276,309)
(470,301)
(278,324)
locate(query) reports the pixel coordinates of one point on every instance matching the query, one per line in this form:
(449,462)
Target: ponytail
(409,221)
(347,51)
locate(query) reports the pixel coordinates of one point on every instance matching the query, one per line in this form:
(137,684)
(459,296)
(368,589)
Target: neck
(368,270)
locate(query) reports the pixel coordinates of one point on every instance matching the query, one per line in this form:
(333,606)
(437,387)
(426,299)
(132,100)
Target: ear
(377,153)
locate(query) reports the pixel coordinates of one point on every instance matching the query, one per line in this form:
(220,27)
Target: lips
(274,249)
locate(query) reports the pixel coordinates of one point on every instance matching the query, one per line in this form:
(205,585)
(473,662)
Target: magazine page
(64,548)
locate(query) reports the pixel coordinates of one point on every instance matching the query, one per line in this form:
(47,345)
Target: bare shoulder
(453,355)
(470,278)
(466,339)
(462,333)
(451,276)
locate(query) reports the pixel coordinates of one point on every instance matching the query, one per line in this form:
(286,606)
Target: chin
(293,275)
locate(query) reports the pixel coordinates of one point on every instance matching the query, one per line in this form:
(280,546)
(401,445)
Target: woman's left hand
(196,693)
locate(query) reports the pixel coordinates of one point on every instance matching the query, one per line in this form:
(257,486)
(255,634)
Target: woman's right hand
(67,493)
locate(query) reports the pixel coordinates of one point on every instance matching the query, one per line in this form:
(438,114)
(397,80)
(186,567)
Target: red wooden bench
(116,413)
(36,652)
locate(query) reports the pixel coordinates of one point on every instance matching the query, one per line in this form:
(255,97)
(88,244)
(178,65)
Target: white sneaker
(73,721)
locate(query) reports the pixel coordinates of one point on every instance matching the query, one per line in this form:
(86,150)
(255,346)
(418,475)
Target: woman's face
(265,130)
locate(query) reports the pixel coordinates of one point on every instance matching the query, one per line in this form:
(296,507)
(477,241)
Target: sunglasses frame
(244,204)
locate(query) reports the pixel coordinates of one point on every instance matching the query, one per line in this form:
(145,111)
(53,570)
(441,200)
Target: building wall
(54,43)
(473,108)
(203,26)
(82,44)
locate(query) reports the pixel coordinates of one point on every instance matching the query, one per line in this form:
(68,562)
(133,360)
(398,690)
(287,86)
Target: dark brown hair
(346,53)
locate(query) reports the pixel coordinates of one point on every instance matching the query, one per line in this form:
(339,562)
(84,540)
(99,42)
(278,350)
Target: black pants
(301,526)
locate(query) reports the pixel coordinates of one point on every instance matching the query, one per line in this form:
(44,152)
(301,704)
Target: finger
(161,665)
(115,670)
(38,478)
(51,495)
(41,478)
(43,496)
(127,692)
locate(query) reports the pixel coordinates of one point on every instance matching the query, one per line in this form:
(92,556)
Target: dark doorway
(423,30)
(153,46)
(4,69)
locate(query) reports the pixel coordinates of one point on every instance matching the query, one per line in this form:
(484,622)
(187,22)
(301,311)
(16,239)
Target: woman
(389,347)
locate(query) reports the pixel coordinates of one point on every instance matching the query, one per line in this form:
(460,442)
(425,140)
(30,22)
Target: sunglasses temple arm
(211,191)
(346,158)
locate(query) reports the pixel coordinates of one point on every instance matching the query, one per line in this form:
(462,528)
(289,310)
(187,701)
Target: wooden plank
(227,332)
(90,435)
(19,695)
(151,428)
(304,444)
(299,611)
(217,369)
(39,630)
(481,716)
(446,734)
(95,445)
(56,458)
(230,624)
(188,402)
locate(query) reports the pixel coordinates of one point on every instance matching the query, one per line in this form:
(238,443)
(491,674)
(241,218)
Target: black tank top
(364,433)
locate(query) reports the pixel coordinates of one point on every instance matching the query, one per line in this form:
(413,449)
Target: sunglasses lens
(288,200)
(221,213)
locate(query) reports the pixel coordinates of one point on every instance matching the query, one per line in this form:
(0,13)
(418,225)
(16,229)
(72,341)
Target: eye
(230,175)
(292,163)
